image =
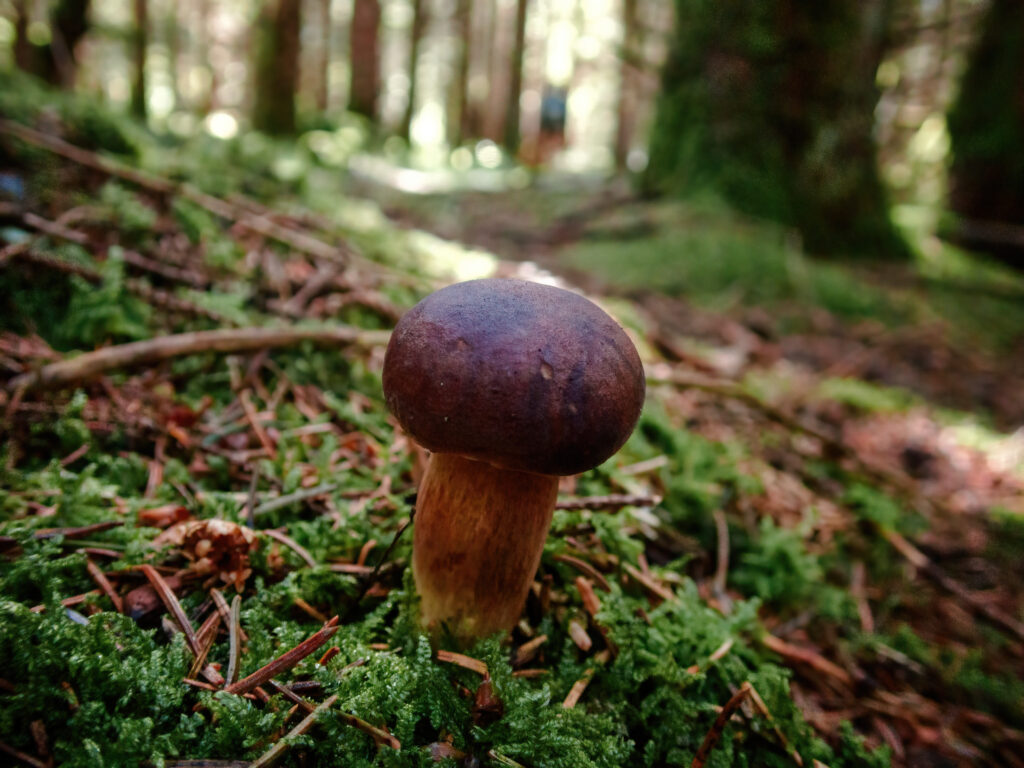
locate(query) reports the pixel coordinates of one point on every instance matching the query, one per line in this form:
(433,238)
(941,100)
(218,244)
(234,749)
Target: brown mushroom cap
(517,374)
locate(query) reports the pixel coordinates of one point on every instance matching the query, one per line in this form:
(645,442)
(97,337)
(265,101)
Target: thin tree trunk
(323,59)
(55,61)
(511,139)
(419,25)
(491,114)
(460,122)
(986,125)
(140,40)
(23,54)
(624,127)
(277,67)
(364,49)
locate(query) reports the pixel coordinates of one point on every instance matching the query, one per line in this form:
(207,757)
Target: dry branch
(227,341)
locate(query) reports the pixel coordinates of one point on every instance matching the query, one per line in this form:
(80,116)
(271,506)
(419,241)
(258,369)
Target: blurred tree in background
(364,45)
(52,57)
(987,130)
(277,66)
(771,105)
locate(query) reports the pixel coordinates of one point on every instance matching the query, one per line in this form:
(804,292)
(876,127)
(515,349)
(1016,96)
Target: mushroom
(510,384)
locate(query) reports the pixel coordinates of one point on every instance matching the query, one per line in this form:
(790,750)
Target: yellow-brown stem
(477,543)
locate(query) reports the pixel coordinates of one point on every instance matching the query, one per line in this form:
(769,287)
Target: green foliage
(867,396)
(778,568)
(721,260)
(104,312)
(86,122)
(134,218)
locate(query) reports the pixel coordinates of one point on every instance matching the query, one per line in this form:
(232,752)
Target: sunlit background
(591,65)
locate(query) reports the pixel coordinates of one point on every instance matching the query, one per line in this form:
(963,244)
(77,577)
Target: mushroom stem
(477,542)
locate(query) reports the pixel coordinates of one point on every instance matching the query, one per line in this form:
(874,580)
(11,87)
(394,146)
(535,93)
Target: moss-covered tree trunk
(986,125)
(515,87)
(277,66)
(770,104)
(140,41)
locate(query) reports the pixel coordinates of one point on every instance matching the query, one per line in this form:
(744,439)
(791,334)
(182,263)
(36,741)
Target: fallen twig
(104,584)
(293,545)
(234,640)
(285,660)
(586,569)
(173,606)
(718,584)
(714,735)
(650,584)
(255,219)
(275,753)
(922,562)
(76,533)
(720,653)
(233,340)
(27,252)
(611,501)
(291,498)
(806,656)
(18,754)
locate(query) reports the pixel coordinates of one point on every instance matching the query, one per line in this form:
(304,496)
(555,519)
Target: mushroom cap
(520,375)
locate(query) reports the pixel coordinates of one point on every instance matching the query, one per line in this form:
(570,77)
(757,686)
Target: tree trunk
(460,118)
(986,126)
(627,82)
(140,40)
(24,56)
(322,67)
(364,49)
(419,25)
(55,61)
(277,66)
(771,106)
(511,140)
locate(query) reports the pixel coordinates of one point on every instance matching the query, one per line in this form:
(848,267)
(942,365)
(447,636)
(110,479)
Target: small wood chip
(460,660)
(577,689)
(579,636)
(527,652)
(591,603)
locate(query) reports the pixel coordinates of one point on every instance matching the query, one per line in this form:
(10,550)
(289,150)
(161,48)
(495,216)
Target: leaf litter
(202,557)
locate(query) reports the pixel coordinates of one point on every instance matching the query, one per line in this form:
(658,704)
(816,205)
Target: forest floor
(808,553)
